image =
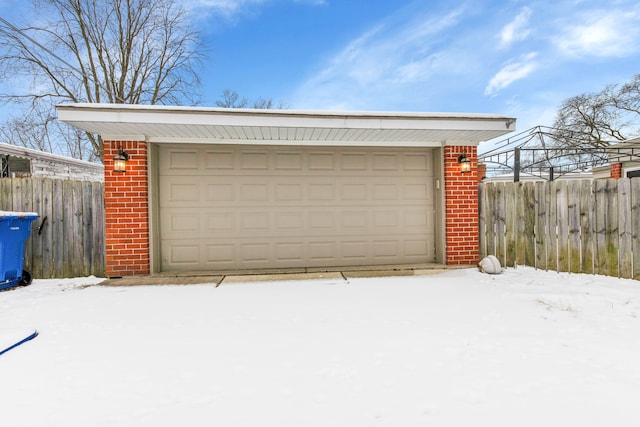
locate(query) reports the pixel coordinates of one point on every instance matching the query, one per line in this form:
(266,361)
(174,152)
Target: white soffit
(164,124)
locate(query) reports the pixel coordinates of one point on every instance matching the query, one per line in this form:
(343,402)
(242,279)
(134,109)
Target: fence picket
(482,220)
(635,227)
(573,230)
(528,214)
(587,226)
(625,231)
(541,221)
(98,260)
(612,236)
(562,226)
(510,225)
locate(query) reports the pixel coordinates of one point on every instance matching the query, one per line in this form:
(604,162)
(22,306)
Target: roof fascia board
(77,114)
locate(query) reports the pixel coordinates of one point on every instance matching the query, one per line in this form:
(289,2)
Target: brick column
(615,170)
(461,207)
(126,210)
(482,171)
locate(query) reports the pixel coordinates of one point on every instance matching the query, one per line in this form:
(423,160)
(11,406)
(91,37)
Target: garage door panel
(289,222)
(324,251)
(219,222)
(181,192)
(322,221)
(220,255)
(290,252)
(219,160)
(417,162)
(185,223)
(220,192)
(254,252)
(322,161)
(265,207)
(254,161)
(255,222)
(385,162)
(181,255)
(186,160)
(254,192)
(385,192)
(354,162)
(383,250)
(288,161)
(416,249)
(418,192)
(289,192)
(355,251)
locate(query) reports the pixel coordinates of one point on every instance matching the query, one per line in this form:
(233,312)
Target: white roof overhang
(165,124)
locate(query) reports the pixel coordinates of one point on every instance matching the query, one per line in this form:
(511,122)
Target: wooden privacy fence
(67,239)
(581,226)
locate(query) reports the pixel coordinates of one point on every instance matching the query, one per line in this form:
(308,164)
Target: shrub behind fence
(67,239)
(581,226)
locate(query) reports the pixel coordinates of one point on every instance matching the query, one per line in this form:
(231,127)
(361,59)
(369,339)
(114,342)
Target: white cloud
(398,51)
(512,72)
(232,8)
(226,8)
(312,2)
(610,33)
(517,29)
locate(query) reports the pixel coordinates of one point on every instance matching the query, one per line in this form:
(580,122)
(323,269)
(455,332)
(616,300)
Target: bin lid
(9,214)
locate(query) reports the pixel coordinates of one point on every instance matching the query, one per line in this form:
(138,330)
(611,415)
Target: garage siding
(248,207)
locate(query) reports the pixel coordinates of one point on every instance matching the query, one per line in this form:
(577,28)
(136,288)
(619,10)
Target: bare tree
(231,99)
(116,51)
(29,131)
(628,97)
(588,119)
(599,118)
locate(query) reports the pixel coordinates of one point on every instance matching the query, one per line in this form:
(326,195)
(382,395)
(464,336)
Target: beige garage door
(248,207)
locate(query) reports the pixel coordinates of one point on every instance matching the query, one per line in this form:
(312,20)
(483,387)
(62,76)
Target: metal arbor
(537,152)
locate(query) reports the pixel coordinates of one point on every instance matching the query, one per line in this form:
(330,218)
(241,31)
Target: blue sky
(513,57)
(519,58)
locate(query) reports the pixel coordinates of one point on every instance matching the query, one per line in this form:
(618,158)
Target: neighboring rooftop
(20,162)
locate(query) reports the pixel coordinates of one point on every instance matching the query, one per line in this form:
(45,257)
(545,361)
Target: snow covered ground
(460,348)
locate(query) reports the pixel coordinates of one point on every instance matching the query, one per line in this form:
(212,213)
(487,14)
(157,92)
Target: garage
(238,207)
(199,189)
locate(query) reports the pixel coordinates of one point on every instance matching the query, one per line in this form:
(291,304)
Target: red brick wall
(126,209)
(616,170)
(461,207)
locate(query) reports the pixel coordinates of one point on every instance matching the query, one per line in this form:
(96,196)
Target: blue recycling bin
(14,230)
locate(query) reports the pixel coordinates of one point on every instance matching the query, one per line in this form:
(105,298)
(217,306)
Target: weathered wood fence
(579,226)
(67,239)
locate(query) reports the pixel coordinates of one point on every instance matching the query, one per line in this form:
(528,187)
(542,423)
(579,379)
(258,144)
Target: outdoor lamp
(120,161)
(465,163)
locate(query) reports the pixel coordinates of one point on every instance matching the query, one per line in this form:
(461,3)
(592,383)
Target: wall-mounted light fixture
(465,163)
(120,161)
